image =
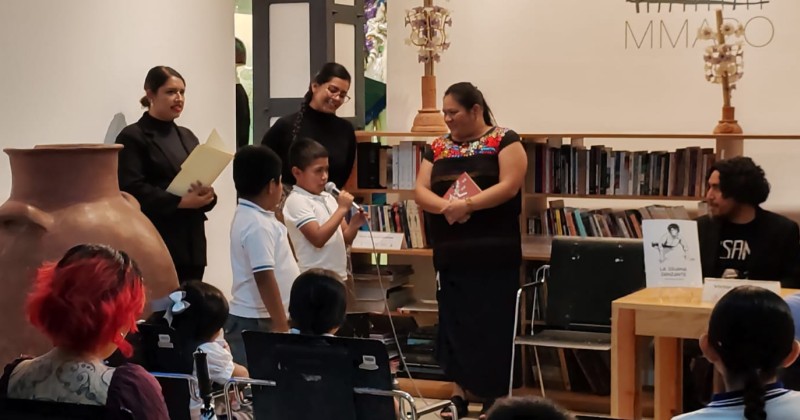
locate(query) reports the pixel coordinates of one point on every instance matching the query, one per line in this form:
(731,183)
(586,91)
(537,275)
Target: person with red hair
(86,304)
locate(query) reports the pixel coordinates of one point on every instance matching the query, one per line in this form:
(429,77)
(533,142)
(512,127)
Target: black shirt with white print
(735,241)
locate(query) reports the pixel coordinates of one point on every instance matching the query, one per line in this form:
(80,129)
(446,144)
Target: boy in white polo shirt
(261,258)
(314,218)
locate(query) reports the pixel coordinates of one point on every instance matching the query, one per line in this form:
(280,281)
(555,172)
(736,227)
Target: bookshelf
(536,248)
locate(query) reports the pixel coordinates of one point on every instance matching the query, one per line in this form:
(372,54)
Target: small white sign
(383,240)
(671,253)
(714,289)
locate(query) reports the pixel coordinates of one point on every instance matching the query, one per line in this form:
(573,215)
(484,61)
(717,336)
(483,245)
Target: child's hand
(280,327)
(345,200)
(359,219)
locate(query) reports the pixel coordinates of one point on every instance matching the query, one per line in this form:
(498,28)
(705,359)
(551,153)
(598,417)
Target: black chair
(162,353)
(15,409)
(322,378)
(584,276)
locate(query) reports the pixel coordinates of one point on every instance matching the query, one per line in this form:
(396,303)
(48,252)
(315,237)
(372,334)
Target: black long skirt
(476,326)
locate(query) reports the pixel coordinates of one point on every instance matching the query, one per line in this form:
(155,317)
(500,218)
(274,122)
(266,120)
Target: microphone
(331,189)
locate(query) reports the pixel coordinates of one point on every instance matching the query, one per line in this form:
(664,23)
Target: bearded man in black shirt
(739,239)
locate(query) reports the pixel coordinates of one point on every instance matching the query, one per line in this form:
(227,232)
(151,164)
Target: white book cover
(671,253)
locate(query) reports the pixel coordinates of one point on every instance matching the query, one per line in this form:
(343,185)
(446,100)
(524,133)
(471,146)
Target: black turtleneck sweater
(336,134)
(153,154)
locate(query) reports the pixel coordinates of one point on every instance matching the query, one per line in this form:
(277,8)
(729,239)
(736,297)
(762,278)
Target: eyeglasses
(335,91)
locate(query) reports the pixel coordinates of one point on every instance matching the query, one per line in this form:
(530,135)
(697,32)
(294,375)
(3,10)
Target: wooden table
(668,315)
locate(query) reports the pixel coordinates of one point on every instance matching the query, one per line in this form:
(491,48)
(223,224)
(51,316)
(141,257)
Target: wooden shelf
(410,252)
(710,136)
(543,195)
(534,248)
(615,197)
(367,134)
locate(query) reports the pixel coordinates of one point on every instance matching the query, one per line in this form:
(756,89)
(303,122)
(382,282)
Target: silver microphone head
(330,188)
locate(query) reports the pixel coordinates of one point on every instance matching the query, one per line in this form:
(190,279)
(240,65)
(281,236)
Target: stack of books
(369,293)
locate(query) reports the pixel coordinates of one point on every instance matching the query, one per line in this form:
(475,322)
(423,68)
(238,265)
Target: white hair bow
(177,306)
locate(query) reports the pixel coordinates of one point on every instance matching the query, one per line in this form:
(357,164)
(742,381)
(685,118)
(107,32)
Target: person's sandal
(462,408)
(485,408)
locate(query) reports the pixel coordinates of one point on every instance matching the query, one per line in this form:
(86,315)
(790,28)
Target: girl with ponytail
(750,340)
(317,120)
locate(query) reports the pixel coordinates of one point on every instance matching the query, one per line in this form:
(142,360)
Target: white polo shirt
(779,403)
(258,243)
(301,208)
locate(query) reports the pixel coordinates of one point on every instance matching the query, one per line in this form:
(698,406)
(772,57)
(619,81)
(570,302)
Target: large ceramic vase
(62,196)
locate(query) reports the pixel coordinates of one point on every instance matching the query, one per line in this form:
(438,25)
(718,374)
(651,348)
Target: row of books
(559,220)
(404,217)
(393,167)
(600,170)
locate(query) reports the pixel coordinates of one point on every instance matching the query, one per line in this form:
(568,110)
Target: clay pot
(61,196)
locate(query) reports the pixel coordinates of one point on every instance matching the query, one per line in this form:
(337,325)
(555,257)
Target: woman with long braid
(317,120)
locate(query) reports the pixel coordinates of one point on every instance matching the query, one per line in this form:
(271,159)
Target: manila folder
(204,164)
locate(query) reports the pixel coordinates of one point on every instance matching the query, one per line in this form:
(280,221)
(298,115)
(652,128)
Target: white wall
(67,67)
(562,66)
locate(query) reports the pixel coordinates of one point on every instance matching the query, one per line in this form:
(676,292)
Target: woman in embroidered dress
(476,244)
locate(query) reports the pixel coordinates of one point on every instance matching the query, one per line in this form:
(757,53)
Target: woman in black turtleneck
(155,148)
(317,120)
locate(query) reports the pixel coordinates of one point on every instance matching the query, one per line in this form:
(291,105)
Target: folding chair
(163,354)
(584,276)
(309,377)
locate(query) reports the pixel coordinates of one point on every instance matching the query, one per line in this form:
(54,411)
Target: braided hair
(324,75)
(752,331)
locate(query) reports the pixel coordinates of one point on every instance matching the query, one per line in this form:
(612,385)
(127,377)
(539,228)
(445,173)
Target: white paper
(204,164)
(383,240)
(671,253)
(714,289)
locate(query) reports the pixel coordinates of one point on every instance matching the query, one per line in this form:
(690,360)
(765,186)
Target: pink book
(463,187)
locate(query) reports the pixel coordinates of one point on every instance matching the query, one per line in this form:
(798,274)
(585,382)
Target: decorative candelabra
(428,33)
(724,65)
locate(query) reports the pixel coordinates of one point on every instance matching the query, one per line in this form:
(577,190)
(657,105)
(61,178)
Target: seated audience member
(791,375)
(527,408)
(739,239)
(750,339)
(86,304)
(317,303)
(197,313)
